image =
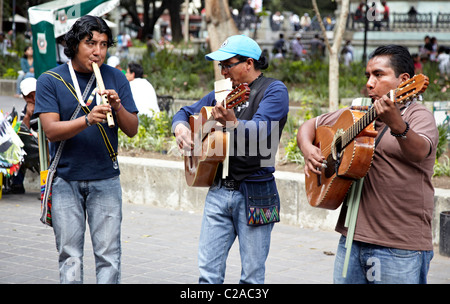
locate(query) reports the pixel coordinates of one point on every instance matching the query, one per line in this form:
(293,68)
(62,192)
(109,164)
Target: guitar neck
(358,126)
(362,123)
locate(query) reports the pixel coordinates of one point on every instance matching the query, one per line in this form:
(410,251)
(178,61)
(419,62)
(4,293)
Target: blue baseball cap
(236,45)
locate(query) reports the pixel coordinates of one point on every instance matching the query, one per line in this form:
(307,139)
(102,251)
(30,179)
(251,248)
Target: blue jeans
(373,264)
(224,218)
(101,202)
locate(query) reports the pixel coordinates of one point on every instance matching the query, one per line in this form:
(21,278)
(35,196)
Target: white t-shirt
(444,63)
(144,96)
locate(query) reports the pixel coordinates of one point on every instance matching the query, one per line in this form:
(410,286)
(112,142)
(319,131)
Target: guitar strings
(370,116)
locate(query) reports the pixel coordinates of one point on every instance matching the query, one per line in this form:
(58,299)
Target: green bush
(292,151)
(10,65)
(179,75)
(154,134)
(442,168)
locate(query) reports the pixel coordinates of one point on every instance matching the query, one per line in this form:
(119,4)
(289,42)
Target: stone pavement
(160,246)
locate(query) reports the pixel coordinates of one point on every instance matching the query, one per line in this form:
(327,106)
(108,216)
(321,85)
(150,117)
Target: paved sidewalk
(160,246)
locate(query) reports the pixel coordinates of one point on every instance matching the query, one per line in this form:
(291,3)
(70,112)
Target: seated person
(26,64)
(144,94)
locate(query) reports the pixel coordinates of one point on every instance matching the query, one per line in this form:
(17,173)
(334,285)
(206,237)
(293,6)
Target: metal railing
(403,21)
(412,21)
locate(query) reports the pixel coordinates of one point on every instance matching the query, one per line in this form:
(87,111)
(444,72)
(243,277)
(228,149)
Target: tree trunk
(220,26)
(149,21)
(333,76)
(1,15)
(175,20)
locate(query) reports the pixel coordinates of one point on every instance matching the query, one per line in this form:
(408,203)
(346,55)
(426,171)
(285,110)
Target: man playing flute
(86,183)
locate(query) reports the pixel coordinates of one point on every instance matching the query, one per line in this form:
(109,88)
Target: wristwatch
(87,121)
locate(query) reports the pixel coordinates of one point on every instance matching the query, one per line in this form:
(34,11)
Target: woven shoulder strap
(61,145)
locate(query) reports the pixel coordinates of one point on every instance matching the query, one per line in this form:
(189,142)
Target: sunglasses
(229,66)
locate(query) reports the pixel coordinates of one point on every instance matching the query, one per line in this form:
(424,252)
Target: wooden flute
(101,86)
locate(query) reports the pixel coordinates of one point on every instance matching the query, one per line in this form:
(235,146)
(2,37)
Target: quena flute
(101,86)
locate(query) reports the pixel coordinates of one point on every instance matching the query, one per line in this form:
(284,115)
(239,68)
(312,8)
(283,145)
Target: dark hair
(82,28)
(24,50)
(261,64)
(399,56)
(136,69)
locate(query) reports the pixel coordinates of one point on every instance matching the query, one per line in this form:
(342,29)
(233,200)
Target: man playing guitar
(246,202)
(392,238)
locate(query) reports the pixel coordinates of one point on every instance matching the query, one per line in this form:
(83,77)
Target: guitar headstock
(238,96)
(410,88)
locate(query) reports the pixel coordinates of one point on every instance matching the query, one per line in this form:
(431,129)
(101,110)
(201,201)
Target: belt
(230,184)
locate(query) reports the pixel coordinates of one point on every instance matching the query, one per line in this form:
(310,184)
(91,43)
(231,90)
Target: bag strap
(75,113)
(61,145)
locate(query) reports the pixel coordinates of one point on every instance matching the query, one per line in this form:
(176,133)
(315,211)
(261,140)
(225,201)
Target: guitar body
(210,141)
(201,166)
(328,190)
(348,148)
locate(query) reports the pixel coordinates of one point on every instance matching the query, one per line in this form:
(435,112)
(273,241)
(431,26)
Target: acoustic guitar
(348,147)
(210,141)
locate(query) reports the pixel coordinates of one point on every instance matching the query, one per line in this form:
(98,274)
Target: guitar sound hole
(330,170)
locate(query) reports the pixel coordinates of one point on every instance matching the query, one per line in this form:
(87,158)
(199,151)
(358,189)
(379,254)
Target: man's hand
(314,160)
(389,113)
(113,98)
(223,115)
(183,137)
(29,112)
(98,114)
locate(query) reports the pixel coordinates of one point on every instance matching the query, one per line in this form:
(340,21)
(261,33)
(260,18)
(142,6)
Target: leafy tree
(151,15)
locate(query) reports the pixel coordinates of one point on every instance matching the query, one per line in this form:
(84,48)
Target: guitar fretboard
(360,125)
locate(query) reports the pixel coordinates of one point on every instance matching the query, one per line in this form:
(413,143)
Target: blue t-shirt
(84,156)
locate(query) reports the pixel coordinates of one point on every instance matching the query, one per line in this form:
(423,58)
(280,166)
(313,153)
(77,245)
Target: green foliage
(437,83)
(9,66)
(443,141)
(442,164)
(179,75)
(289,140)
(292,151)
(154,134)
(442,168)
(10,74)
(311,78)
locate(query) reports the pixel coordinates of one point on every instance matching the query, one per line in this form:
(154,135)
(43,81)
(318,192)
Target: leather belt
(230,184)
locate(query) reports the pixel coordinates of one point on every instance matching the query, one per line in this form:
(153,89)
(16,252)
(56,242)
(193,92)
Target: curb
(161,183)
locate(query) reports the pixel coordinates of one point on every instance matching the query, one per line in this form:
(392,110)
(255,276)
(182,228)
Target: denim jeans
(101,202)
(373,264)
(224,218)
